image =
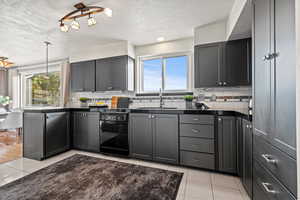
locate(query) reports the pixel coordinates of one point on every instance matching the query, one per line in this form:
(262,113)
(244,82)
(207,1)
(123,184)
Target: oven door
(114,137)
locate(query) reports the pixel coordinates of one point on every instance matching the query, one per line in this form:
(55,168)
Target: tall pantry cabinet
(274,142)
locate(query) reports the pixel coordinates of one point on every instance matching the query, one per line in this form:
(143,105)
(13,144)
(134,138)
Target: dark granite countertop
(220,112)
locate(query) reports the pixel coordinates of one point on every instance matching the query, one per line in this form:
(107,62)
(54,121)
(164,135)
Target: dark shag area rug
(81,177)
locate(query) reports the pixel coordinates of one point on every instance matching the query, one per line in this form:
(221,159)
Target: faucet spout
(161,102)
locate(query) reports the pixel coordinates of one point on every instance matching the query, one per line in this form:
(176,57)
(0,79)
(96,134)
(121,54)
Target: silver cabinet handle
(110,88)
(269,159)
(220,83)
(266,186)
(220,119)
(150,116)
(195,119)
(153,116)
(267,57)
(195,131)
(224,83)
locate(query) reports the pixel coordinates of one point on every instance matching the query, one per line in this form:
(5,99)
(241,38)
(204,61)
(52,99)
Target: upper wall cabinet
(83,76)
(208,62)
(107,74)
(115,74)
(237,69)
(223,64)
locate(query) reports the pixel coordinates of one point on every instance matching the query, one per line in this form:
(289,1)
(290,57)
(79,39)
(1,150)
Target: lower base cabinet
(86,131)
(227,144)
(247,156)
(45,134)
(154,137)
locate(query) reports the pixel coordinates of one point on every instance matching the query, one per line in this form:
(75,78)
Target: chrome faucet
(161,102)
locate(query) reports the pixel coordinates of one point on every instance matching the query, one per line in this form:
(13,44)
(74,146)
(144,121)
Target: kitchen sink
(157,108)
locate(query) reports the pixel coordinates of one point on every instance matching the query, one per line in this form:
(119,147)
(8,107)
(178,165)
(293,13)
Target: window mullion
(163,73)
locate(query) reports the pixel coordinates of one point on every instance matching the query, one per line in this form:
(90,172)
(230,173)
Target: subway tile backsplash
(218,98)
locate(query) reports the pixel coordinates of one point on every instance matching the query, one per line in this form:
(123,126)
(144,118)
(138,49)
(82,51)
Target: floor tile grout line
(212,187)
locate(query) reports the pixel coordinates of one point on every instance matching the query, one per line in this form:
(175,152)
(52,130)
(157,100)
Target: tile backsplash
(218,98)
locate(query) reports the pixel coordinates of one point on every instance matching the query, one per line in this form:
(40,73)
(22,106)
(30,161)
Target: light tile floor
(195,185)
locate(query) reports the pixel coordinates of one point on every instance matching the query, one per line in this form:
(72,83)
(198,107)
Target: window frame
(163,75)
(30,71)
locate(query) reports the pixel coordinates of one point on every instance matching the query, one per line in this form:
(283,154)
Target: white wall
(101,51)
(234,15)
(215,32)
(183,45)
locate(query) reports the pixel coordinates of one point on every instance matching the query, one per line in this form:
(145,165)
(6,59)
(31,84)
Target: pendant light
(47,58)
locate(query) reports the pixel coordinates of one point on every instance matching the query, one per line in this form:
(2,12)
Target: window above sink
(169,72)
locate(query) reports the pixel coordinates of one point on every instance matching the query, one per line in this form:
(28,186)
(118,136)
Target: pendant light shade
(75,25)
(91,21)
(64,27)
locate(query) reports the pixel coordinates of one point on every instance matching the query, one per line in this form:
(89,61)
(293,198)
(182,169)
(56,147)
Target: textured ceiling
(25,24)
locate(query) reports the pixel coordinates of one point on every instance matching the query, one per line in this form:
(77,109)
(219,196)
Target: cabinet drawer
(281,165)
(197,119)
(197,130)
(197,144)
(194,159)
(269,185)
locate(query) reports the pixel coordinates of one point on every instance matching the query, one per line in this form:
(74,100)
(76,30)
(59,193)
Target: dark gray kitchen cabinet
(154,137)
(208,63)
(115,74)
(223,64)
(165,138)
(83,76)
(247,156)
(141,137)
(240,146)
(86,131)
(227,144)
(275,69)
(45,134)
(237,69)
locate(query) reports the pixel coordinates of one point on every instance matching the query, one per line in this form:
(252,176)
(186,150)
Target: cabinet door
(227,144)
(57,138)
(165,138)
(141,139)
(240,145)
(86,131)
(103,75)
(262,69)
(92,127)
(208,64)
(83,76)
(111,73)
(247,157)
(119,72)
(237,63)
(79,139)
(284,134)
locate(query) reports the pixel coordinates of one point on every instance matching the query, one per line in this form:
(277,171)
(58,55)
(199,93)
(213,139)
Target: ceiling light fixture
(64,27)
(91,21)
(160,39)
(108,12)
(5,63)
(82,11)
(75,24)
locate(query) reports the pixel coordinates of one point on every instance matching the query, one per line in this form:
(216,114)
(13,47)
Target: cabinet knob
(150,116)
(224,83)
(220,119)
(220,83)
